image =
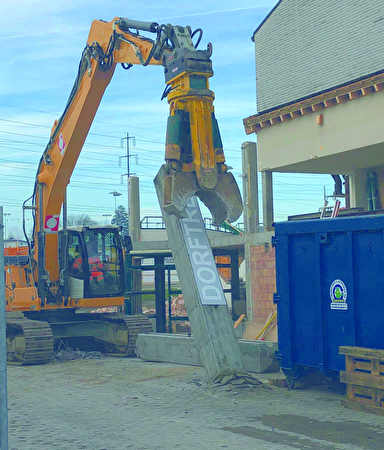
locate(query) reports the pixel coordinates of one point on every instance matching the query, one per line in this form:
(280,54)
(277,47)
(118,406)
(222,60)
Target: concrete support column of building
(250,214)
(358,188)
(134,230)
(267,191)
(134,209)
(250,187)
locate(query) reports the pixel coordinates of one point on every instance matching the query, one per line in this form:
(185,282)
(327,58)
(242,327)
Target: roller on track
(135,325)
(28,341)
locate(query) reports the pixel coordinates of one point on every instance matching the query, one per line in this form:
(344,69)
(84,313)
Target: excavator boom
(195,161)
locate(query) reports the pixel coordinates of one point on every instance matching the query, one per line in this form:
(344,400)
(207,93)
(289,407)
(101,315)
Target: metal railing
(152,223)
(157,223)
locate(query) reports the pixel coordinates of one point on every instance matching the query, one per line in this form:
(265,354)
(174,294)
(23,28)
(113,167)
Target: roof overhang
(361,88)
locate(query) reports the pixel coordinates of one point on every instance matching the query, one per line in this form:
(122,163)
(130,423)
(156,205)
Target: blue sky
(41,45)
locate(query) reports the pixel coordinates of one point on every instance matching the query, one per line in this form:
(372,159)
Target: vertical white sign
(201,257)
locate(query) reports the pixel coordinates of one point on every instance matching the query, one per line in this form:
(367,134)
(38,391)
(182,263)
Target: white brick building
(320,99)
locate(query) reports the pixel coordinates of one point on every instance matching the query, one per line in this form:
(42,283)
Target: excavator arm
(195,162)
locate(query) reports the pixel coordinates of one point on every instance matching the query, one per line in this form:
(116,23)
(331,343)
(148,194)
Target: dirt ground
(126,403)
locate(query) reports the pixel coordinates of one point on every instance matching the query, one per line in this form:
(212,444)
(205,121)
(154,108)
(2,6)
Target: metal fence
(157,223)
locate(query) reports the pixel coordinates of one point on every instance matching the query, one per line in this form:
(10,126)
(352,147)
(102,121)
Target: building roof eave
(316,103)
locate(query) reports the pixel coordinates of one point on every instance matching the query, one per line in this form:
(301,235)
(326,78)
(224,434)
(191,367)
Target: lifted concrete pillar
(250,187)
(202,291)
(268,220)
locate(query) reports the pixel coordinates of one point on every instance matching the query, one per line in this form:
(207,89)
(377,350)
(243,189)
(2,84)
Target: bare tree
(80,219)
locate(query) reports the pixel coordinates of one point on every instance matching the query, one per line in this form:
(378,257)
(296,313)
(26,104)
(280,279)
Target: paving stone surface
(126,403)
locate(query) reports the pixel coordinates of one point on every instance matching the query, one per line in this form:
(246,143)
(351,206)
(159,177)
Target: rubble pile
(66,353)
(177,310)
(106,309)
(236,381)
(177,307)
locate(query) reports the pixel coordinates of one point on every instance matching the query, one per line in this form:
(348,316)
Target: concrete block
(257,356)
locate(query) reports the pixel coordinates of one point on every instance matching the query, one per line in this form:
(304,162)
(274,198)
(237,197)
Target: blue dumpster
(330,290)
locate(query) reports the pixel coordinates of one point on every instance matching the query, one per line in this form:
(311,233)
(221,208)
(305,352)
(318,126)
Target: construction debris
(66,353)
(237,381)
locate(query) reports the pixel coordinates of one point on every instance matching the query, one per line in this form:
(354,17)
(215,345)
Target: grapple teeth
(224,201)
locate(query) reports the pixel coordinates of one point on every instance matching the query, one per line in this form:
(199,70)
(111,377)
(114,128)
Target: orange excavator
(52,279)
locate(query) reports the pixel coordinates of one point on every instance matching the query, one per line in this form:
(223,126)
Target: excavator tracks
(31,341)
(28,341)
(134,324)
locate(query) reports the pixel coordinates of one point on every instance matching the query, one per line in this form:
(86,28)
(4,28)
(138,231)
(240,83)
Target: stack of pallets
(364,377)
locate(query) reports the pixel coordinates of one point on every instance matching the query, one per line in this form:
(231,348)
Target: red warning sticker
(51,224)
(62,144)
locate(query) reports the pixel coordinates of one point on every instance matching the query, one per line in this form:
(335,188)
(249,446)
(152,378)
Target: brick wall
(306,47)
(263,281)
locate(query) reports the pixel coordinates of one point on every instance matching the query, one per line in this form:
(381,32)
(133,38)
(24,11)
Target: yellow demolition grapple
(195,162)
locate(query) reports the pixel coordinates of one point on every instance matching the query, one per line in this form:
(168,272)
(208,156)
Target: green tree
(120,219)
(80,219)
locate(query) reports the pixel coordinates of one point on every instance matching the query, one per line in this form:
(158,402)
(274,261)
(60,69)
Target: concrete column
(267,190)
(203,295)
(161,323)
(134,209)
(250,187)
(137,286)
(248,279)
(358,188)
(135,234)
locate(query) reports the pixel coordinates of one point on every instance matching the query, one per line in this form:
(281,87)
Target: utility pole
(133,211)
(128,155)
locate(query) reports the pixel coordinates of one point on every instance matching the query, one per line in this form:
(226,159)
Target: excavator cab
(95,262)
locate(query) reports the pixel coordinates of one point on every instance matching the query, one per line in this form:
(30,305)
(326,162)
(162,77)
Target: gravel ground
(126,403)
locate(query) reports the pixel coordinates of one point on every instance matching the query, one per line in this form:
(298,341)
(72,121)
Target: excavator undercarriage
(32,338)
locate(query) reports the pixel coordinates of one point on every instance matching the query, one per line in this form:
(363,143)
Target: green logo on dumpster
(338,294)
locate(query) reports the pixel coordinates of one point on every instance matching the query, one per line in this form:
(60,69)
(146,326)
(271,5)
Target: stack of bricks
(263,280)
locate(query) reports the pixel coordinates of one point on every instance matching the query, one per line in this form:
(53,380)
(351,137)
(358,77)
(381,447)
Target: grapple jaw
(223,201)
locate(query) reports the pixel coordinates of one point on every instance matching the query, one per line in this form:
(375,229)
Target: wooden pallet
(364,377)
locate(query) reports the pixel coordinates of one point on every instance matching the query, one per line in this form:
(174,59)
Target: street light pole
(116,194)
(106,217)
